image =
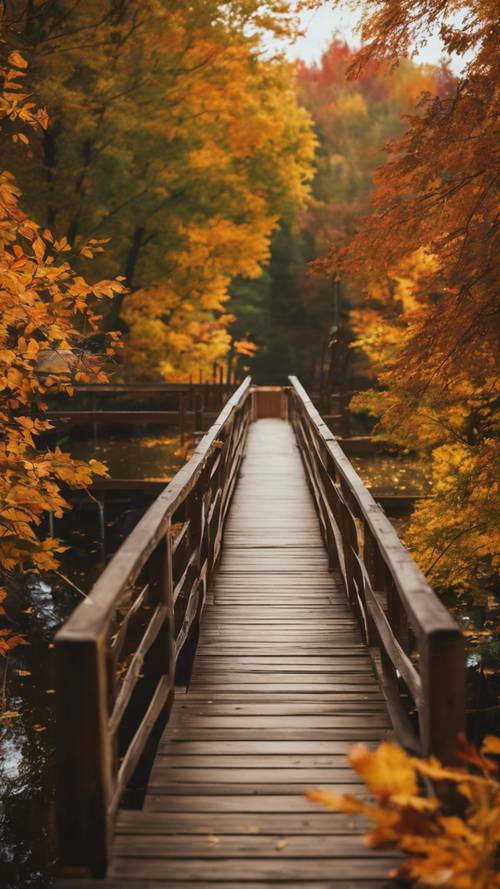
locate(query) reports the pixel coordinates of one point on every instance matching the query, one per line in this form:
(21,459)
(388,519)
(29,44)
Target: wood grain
(281,685)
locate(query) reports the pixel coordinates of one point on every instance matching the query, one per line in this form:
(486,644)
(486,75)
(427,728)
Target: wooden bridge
(246,670)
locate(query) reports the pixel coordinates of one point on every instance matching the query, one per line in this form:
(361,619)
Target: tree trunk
(113,318)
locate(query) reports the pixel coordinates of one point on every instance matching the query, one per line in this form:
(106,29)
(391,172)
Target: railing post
(442,715)
(182,419)
(198,413)
(84,769)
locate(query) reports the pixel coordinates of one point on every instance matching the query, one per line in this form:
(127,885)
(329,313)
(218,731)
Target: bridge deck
(282,684)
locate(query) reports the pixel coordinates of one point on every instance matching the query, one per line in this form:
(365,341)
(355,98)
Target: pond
(27,676)
(149,456)
(392,474)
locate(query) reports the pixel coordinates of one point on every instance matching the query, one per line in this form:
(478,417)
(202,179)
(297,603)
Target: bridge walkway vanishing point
(282,684)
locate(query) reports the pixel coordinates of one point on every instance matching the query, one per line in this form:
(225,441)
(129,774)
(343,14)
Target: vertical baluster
(194,512)
(166,597)
(375,570)
(198,416)
(396,613)
(221,385)
(182,421)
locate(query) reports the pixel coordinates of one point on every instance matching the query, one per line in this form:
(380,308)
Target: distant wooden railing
(125,647)
(417,647)
(192,407)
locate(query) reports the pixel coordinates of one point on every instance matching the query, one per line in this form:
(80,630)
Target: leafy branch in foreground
(445,848)
(47,312)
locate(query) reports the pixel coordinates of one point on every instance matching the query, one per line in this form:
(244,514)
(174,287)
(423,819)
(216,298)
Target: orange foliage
(427,258)
(46,310)
(443,848)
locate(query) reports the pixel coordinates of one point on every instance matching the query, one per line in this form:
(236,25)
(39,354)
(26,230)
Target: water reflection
(148,456)
(388,474)
(38,606)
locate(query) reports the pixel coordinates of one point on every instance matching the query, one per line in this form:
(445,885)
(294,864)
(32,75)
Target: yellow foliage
(441,848)
(452,427)
(42,305)
(181,141)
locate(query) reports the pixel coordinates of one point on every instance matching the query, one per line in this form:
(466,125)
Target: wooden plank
(165,883)
(253,846)
(294,723)
(307,693)
(168,773)
(277,803)
(165,823)
(247,871)
(249,761)
(263,747)
(114,418)
(222,788)
(278,708)
(283,733)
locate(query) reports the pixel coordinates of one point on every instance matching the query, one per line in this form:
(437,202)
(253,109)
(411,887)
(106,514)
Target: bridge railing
(417,648)
(131,640)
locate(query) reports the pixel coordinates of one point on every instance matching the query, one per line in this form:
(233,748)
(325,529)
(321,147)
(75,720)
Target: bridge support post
(442,715)
(84,766)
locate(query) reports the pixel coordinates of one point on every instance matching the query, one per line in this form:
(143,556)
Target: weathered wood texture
(301,651)
(281,686)
(416,645)
(122,651)
(269,401)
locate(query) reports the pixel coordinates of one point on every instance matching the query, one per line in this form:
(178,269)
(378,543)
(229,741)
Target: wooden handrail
(418,649)
(131,640)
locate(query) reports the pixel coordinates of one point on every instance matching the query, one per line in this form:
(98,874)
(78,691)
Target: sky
(321,24)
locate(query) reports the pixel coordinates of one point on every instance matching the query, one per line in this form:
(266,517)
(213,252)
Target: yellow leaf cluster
(43,307)
(451,423)
(441,847)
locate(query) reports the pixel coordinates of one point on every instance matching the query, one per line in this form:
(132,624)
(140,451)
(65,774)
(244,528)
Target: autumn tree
(172,135)
(291,313)
(427,258)
(47,312)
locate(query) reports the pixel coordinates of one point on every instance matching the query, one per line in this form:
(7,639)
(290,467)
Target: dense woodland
(174,194)
(221,201)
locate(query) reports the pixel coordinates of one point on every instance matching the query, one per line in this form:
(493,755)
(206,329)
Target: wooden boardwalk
(282,684)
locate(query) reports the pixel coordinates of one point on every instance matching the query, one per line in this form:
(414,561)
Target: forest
(183,206)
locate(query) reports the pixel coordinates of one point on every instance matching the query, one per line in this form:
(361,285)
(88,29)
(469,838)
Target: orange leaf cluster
(427,259)
(441,847)
(45,311)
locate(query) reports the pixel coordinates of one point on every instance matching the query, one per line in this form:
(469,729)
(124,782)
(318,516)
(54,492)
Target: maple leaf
(441,849)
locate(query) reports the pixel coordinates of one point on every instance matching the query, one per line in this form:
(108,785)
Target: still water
(27,676)
(385,474)
(149,456)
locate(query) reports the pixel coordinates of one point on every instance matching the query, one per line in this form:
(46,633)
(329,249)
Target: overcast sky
(321,25)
